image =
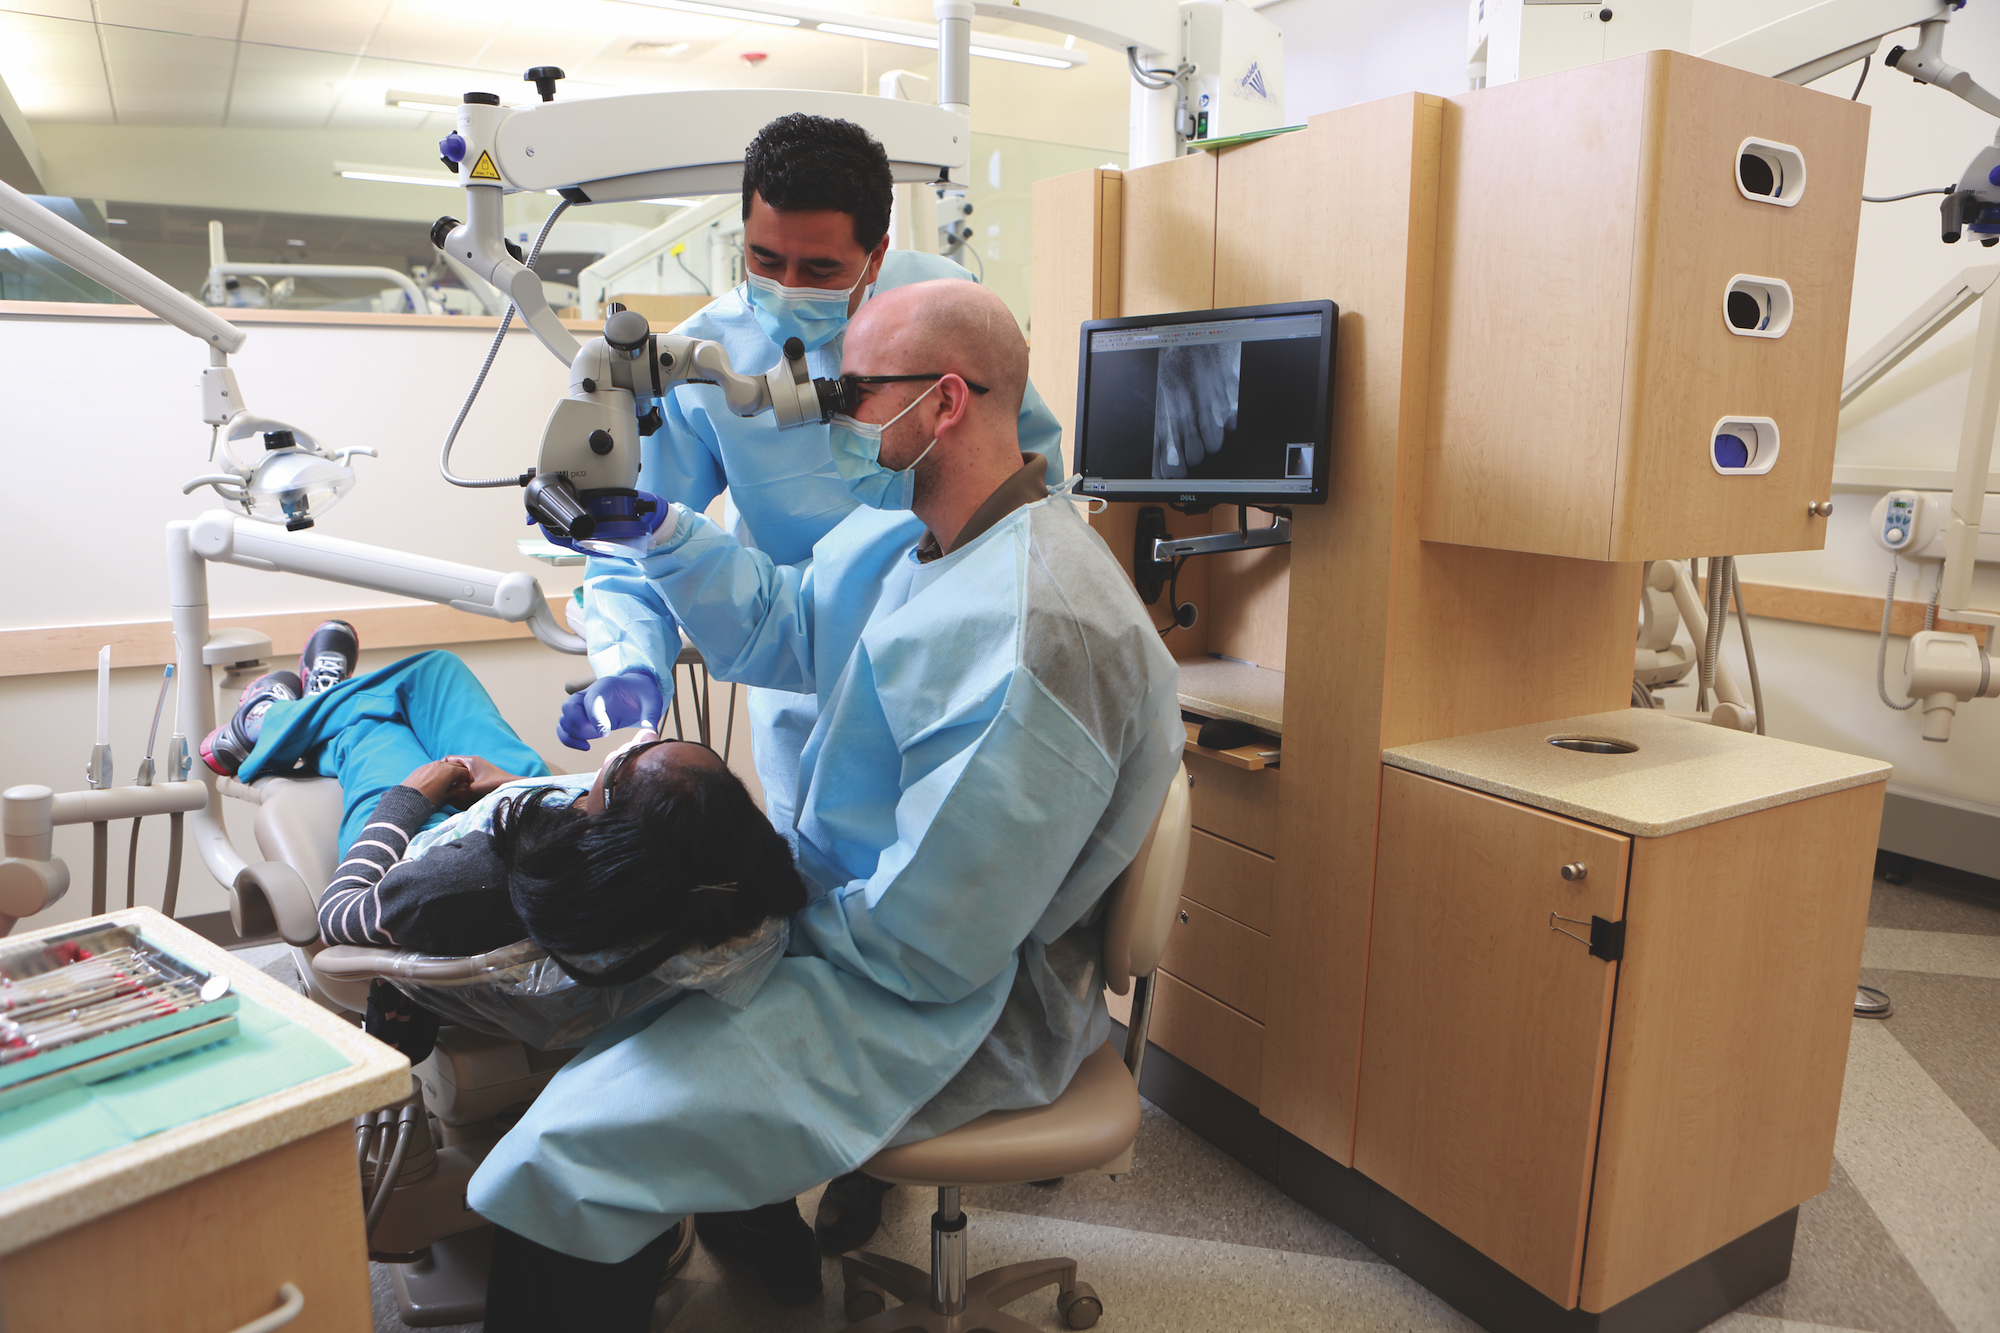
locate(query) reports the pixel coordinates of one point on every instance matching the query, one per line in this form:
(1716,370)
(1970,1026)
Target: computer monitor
(1208,406)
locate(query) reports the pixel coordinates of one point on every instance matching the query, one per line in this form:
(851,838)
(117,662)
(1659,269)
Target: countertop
(1218,687)
(83,1191)
(1683,775)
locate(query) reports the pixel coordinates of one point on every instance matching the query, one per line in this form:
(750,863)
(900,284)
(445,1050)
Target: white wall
(1342,52)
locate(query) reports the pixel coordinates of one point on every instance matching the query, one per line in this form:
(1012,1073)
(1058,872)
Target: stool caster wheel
(1079,1306)
(864,1300)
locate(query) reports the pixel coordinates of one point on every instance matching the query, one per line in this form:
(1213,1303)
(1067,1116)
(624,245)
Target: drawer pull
(1575,870)
(1184,919)
(294,1302)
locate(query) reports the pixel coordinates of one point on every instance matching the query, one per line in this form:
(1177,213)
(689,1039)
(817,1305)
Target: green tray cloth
(268,1054)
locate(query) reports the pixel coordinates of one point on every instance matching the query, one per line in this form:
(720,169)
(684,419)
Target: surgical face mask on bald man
(857,456)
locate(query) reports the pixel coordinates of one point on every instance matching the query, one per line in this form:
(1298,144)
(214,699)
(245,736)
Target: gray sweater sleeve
(451,901)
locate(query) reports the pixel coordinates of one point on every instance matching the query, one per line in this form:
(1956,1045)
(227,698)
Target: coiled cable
(1882,647)
(444,458)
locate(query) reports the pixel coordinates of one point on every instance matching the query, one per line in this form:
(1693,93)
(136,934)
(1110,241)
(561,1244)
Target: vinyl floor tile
(1932,951)
(1171,1284)
(1927,1172)
(1182,1185)
(1923,906)
(1846,1271)
(1951,1026)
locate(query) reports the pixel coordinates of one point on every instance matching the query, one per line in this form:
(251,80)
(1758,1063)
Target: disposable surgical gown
(786,496)
(996,730)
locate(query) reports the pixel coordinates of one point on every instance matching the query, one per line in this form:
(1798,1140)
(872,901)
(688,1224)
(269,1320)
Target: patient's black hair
(800,162)
(684,854)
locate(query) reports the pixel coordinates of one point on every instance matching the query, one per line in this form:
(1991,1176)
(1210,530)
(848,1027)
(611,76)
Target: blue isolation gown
(995,732)
(785,494)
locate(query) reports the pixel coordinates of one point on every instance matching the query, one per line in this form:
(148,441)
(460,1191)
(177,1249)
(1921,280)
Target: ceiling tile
(344,27)
(202,18)
(78,10)
(53,68)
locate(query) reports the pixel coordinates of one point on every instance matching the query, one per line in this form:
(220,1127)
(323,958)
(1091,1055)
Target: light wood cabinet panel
(1228,960)
(1208,1035)
(209,1255)
(1233,880)
(1591,226)
(1168,245)
(1235,803)
(1482,1056)
(1743,940)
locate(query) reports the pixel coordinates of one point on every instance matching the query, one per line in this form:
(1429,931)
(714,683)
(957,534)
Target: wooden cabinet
(1482,1053)
(208,1255)
(1595,1123)
(1211,1003)
(1591,225)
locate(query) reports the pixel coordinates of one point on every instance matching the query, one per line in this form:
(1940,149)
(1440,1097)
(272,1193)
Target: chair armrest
(270,896)
(352,962)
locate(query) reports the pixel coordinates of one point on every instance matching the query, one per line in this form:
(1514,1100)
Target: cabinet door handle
(1820,508)
(294,1302)
(1575,870)
(1184,920)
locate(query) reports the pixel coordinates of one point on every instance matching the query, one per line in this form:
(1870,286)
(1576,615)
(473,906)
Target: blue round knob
(452,146)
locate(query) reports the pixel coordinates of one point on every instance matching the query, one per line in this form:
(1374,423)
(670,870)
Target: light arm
(100,263)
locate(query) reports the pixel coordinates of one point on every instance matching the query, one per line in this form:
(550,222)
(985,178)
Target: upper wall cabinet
(1643,272)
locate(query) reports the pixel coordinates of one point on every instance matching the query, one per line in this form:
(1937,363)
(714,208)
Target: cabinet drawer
(1235,803)
(1208,1035)
(1233,880)
(1222,957)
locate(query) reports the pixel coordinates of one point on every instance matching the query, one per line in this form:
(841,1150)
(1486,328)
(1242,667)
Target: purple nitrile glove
(628,699)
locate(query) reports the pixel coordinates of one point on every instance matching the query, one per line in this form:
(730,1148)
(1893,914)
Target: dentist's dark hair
(684,854)
(800,163)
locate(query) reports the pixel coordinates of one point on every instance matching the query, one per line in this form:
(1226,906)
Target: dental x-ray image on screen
(1208,406)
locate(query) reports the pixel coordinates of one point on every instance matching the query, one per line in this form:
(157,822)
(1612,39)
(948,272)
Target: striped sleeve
(351,911)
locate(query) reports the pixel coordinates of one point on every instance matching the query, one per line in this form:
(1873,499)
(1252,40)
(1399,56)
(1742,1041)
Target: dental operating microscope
(584,487)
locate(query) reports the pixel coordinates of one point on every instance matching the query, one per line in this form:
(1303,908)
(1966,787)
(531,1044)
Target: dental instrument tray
(84,1006)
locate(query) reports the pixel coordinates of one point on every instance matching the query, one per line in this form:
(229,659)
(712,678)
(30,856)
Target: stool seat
(1092,1123)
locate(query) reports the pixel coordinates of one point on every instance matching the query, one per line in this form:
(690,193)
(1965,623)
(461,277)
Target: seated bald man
(997,726)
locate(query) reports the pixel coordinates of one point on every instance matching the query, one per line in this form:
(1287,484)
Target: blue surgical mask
(813,315)
(857,456)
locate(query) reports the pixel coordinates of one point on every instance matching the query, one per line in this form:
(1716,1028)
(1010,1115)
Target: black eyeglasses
(846,391)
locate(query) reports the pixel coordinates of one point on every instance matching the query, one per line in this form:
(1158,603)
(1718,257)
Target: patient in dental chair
(658,854)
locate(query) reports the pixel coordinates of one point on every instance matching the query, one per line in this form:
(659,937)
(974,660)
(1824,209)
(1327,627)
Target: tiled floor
(1906,1239)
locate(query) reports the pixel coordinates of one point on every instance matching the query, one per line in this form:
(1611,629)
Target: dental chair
(475,1085)
(1090,1128)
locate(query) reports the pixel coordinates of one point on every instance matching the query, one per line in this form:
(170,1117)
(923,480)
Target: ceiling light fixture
(399,178)
(409,100)
(726,12)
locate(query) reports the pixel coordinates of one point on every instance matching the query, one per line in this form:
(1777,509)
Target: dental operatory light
(293,483)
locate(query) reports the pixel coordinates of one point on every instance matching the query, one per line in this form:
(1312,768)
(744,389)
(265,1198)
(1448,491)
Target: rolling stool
(1089,1128)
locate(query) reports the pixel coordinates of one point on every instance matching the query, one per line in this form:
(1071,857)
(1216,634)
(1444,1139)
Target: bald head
(944,326)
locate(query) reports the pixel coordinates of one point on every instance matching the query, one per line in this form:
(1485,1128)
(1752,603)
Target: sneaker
(850,1212)
(230,744)
(329,656)
(773,1242)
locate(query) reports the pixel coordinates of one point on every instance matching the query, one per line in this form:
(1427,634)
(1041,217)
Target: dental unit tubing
(1688,602)
(515,597)
(32,878)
